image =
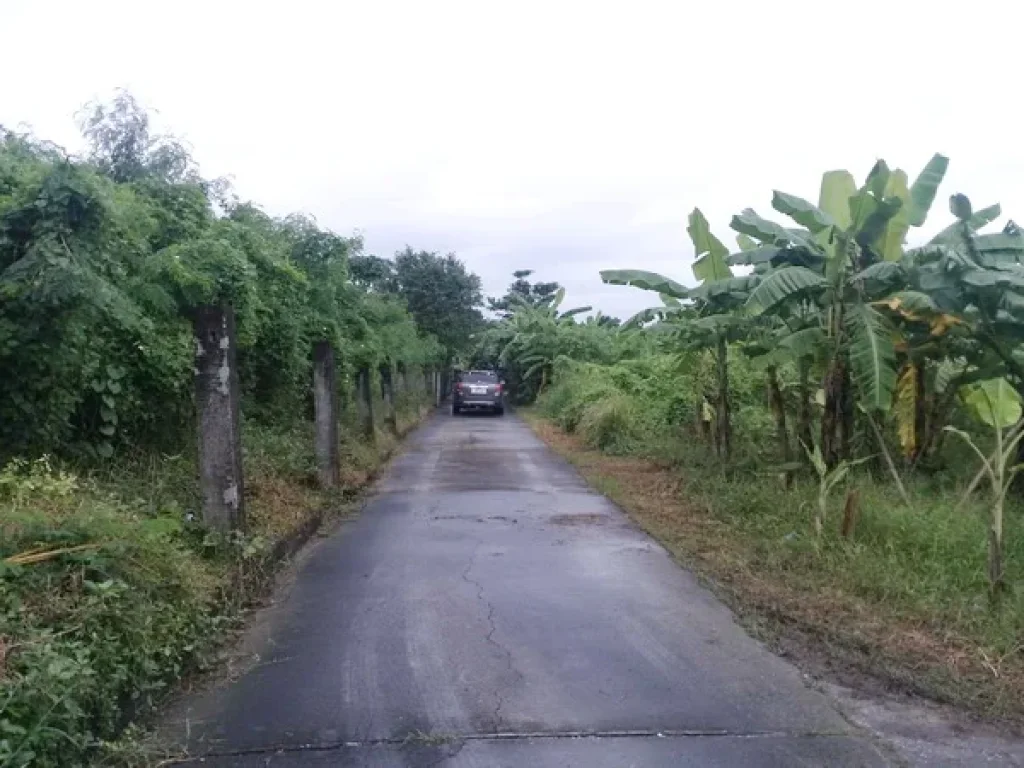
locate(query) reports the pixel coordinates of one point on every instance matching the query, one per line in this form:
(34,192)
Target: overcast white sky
(567,137)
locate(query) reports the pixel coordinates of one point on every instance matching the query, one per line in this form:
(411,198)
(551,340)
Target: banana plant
(794,340)
(978,281)
(702,318)
(793,336)
(832,262)
(828,479)
(996,404)
(532,337)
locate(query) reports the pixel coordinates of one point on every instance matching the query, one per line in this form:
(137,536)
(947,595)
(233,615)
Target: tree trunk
(722,421)
(803,430)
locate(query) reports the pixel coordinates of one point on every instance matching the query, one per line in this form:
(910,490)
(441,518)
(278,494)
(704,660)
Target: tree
(104,261)
(441,294)
(526,343)
(706,321)
(123,147)
(837,266)
(372,273)
(522,291)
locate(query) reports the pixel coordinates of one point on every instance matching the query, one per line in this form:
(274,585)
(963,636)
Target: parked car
(478,390)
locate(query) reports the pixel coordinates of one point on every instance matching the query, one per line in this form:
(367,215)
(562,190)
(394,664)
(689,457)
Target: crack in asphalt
(458,741)
(490,635)
(458,747)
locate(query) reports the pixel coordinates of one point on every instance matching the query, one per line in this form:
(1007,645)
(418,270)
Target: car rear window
(478,377)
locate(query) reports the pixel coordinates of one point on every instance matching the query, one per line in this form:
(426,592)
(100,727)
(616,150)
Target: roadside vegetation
(111,589)
(826,421)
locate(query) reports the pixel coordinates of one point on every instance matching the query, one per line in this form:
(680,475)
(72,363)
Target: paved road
(488,609)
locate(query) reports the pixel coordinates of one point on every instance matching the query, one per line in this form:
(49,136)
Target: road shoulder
(870,685)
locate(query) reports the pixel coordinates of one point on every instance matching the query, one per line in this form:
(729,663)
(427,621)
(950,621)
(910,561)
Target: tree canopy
(441,294)
(104,258)
(522,291)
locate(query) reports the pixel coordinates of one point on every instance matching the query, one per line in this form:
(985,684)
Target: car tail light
(497,389)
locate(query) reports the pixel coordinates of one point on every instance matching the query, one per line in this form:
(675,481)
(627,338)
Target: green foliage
(109,589)
(125,150)
(643,403)
(785,284)
(522,291)
(840,302)
(441,295)
(992,402)
(102,263)
(828,481)
(527,343)
(648,281)
(872,356)
(711,254)
(96,631)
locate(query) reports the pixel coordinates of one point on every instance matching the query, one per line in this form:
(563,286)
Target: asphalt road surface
(487,608)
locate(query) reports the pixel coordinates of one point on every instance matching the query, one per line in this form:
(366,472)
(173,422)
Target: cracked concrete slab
(585,751)
(432,614)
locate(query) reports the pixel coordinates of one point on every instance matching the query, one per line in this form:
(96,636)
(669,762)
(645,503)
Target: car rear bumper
(479,403)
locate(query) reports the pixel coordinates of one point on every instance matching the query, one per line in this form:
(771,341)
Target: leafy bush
(610,423)
(639,403)
(101,606)
(100,272)
(109,588)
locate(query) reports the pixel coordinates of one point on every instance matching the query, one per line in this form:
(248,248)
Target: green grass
(92,635)
(925,561)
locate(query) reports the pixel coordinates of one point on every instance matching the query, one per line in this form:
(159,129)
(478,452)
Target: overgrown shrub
(100,273)
(643,402)
(610,423)
(109,587)
(101,606)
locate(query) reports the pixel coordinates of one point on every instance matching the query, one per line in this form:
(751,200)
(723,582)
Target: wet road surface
(488,609)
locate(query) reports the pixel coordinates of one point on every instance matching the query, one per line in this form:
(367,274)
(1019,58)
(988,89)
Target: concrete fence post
(325,414)
(366,398)
(437,388)
(220,437)
(387,386)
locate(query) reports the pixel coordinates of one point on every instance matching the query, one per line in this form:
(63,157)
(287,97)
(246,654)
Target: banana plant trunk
(995,551)
(923,405)
(803,427)
(778,406)
(723,427)
(837,420)
(938,408)
(1017,484)
(701,425)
